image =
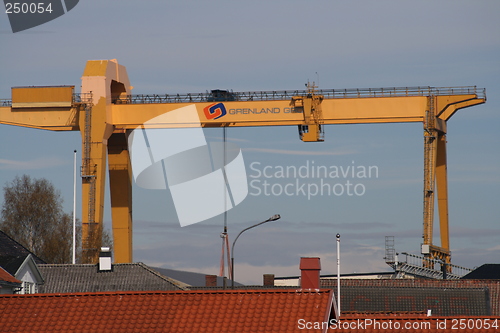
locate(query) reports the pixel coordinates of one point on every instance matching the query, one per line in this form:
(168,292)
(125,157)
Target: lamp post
(338,275)
(272,218)
(73,261)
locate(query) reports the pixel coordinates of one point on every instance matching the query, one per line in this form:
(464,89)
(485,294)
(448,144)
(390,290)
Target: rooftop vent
(105,260)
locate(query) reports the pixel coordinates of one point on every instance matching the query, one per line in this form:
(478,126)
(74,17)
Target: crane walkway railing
(414,265)
(225,96)
(288,94)
(5,102)
(77,99)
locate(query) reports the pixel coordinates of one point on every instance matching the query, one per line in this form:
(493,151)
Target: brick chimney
(210,280)
(268,280)
(309,276)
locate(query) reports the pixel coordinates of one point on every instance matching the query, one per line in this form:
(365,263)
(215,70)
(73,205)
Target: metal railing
(417,262)
(77,98)
(288,94)
(82,98)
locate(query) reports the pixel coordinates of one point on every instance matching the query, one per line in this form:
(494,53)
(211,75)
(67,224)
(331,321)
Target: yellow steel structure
(105,112)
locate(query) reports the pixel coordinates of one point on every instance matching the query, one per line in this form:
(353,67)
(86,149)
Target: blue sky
(191,46)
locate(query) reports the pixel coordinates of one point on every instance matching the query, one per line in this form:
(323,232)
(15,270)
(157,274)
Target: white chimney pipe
(105,259)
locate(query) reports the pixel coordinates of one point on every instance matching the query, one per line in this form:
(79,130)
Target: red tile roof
(168,311)
(6,277)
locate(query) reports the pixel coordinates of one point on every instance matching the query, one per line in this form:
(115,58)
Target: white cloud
(38,163)
(299,152)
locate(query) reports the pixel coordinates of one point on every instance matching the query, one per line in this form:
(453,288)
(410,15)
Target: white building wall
(28,277)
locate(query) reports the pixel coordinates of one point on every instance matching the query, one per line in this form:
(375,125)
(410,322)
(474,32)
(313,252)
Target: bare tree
(32,215)
(58,246)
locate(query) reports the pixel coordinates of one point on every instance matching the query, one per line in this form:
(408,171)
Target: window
(28,288)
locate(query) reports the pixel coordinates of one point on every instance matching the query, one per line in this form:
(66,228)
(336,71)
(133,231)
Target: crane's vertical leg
(102,80)
(435,175)
(429,182)
(442,192)
(430,143)
(93,184)
(120,186)
(94,139)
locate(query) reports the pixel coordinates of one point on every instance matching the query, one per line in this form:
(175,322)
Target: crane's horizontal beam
(277,113)
(274,95)
(349,106)
(43,107)
(55,119)
(280,112)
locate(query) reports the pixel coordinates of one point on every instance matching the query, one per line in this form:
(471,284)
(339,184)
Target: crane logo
(25,15)
(205,179)
(215,111)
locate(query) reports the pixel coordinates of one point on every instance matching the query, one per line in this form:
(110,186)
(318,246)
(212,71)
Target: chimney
(210,280)
(268,280)
(309,277)
(105,260)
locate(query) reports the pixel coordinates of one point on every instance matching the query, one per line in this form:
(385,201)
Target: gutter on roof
(10,284)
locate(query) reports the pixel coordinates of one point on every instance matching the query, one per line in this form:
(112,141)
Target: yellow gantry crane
(105,112)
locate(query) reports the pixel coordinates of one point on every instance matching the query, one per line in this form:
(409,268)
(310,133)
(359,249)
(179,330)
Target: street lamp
(272,218)
(338,276)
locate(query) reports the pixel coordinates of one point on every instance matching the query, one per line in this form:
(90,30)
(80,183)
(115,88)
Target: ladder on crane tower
(317,114)
(430,137)
(390,251)
(310,106)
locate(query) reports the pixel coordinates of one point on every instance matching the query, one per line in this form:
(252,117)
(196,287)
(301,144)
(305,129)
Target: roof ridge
(21,245)
(65,265)
(184,292)
(177,283)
